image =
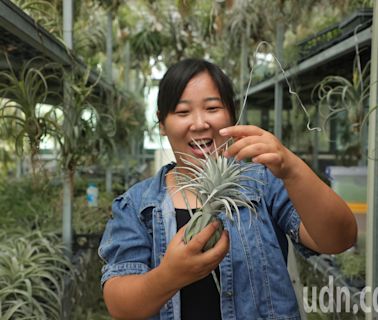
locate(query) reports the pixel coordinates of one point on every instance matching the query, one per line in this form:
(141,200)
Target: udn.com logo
(331,298)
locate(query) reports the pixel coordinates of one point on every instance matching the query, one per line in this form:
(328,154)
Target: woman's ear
(162,129)
(161,126)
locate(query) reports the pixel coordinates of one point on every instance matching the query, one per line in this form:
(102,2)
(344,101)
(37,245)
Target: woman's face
(199,115)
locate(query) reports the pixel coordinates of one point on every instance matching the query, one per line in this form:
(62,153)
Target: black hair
(177,77)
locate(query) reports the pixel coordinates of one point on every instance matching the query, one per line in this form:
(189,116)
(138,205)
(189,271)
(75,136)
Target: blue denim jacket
(254,280)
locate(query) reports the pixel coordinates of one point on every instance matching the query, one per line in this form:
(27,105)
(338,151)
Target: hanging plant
(22,93)
(346,101)
(90,32)
(46,13)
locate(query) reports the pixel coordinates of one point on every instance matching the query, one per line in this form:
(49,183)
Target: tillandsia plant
(33,273)
(218,185)
(26,89)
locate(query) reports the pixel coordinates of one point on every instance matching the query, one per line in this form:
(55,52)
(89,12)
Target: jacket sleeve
(125,245)
(283,212)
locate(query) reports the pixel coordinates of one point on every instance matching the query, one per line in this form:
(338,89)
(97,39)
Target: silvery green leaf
(218,183)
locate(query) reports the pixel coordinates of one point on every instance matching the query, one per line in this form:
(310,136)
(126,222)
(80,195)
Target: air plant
(25,90)
(217,183)
(346,101)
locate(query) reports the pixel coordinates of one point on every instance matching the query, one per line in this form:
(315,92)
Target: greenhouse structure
(79,127)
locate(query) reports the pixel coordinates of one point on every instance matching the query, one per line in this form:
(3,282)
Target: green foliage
(90,32)
(90,303)
(36,203)
(25,90)
(32,274)
(29,209)
(31,202)
(148,43)
(352,264)
(312,277)
(45,13)
(5,159)
(84,126)
(130,119)
(92,220)
(346,101)
(217,183)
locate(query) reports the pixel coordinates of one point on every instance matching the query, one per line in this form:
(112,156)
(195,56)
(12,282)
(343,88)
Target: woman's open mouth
(201,147)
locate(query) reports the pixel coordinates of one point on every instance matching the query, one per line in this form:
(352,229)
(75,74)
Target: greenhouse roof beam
(22,38)
(332,53)
(19,24)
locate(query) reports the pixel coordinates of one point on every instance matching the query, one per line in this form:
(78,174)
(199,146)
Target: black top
(199,300)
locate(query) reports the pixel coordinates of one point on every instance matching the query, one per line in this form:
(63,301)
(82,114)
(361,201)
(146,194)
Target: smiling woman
(199,115)
(156,269)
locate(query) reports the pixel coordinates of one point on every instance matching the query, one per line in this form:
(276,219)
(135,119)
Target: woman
(151,273)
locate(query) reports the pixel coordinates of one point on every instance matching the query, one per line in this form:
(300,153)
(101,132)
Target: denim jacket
(255,283)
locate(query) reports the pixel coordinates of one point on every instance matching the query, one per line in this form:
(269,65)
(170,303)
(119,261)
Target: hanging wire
(291,91)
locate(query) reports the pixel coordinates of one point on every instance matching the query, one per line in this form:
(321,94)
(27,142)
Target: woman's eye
(213,109)
(182,112)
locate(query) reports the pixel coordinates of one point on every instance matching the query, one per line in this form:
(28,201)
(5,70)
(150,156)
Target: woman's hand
(327,224)
(261,146)
(187,263)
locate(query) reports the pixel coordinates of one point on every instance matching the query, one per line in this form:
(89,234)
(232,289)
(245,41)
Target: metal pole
(127,65)
(109,46)
(315,150)
(278,106)
(243,68)
(372,187)
(127,87)
(68,23)
(67,187)
(109,73)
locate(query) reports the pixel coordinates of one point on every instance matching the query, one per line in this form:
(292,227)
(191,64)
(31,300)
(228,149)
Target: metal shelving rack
(22,39)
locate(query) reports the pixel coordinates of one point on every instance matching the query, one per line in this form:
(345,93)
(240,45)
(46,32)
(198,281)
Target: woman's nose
(199,122)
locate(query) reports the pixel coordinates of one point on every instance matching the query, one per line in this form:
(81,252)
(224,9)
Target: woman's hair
(177,77)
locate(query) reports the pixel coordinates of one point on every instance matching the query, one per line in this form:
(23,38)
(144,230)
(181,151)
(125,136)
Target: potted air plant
(217,183)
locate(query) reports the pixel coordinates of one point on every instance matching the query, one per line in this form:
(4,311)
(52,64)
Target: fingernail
(216,223)
(225,153)
(222,132)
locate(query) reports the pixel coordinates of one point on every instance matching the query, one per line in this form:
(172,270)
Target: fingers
(199,240)
(269,159)
(215,254)
(187,262)
(248,147)
(219,251)
(241,131)
(250,141)
(212,257)
(254,143)
(177,239)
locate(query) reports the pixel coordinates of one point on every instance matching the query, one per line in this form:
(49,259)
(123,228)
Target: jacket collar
(156,190)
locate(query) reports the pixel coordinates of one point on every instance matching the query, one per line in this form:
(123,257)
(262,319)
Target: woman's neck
(178,195)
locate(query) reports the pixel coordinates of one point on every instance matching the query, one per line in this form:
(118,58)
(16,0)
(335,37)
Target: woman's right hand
(184,263)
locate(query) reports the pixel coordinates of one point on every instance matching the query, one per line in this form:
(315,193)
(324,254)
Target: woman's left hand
(327,224)
(261,146)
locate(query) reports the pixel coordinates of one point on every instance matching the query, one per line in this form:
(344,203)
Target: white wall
(162,157)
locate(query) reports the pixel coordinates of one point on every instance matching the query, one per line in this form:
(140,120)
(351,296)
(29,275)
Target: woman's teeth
(201,143)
